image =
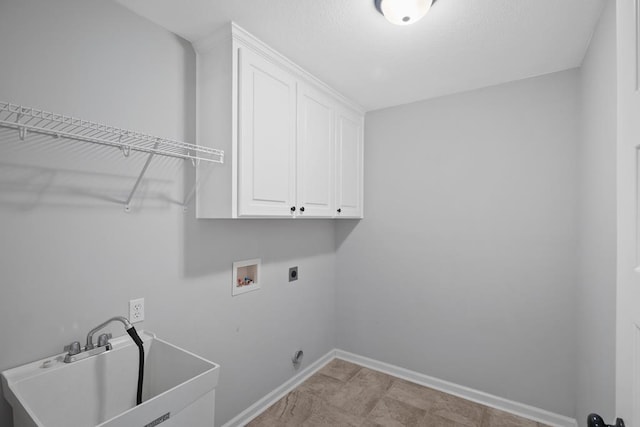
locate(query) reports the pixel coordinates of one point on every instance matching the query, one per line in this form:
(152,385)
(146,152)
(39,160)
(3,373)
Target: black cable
(136,338)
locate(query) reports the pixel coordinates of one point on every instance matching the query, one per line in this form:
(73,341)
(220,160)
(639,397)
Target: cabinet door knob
(339,210)
(293,208)
(302,209)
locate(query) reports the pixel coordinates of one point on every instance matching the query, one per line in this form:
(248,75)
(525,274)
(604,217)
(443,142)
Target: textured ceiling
(460,45)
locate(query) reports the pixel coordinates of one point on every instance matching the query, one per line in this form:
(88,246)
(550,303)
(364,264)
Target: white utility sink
(178,390)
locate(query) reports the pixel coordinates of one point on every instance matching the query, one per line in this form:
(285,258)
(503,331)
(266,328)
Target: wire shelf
(26,119)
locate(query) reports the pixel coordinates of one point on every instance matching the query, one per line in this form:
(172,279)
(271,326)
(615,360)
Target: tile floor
(344,394)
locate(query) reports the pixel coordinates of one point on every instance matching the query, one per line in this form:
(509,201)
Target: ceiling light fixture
(403,12)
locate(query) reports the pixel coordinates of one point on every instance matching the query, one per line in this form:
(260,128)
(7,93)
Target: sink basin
(178,389)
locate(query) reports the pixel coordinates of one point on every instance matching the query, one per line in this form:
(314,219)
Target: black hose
(136,338)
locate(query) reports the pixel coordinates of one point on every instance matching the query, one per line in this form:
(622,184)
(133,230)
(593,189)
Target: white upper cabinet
(316,153)
(293,146)
(266,137)
(349,163)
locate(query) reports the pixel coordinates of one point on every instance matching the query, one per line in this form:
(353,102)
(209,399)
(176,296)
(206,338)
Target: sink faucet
(75,352)
(123,320)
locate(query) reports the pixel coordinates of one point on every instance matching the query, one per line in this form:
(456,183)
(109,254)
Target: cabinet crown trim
(233,31)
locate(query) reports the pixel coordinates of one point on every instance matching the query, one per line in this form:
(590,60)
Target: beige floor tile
(435,421)
(413,394)
(361,393)
(290,411)
(371,378)
(321,385)
(340,369)
(458,410)
(325,415)
(497,418)
(393,413)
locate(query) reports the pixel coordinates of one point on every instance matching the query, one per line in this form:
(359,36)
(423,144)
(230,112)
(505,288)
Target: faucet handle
(73,348)
(103,339)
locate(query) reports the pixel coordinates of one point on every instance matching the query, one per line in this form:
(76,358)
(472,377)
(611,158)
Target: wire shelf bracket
(27,119)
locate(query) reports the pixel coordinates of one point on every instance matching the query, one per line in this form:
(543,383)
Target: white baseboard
(244,417)
(519,409)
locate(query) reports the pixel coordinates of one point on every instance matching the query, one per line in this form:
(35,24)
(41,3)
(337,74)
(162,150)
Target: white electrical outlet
(136,310)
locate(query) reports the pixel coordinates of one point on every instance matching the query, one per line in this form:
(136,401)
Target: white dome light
(403,12)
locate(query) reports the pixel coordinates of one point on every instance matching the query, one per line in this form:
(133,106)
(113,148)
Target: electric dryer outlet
(293,273)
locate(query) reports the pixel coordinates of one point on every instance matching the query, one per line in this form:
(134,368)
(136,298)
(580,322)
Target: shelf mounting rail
(26,119)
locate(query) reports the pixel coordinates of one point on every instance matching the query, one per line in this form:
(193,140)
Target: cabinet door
(266,137)
(349,148)
(316,161)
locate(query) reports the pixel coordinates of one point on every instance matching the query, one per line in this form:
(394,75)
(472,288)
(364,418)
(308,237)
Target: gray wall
(464,266)
(596,295)
(69,255)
